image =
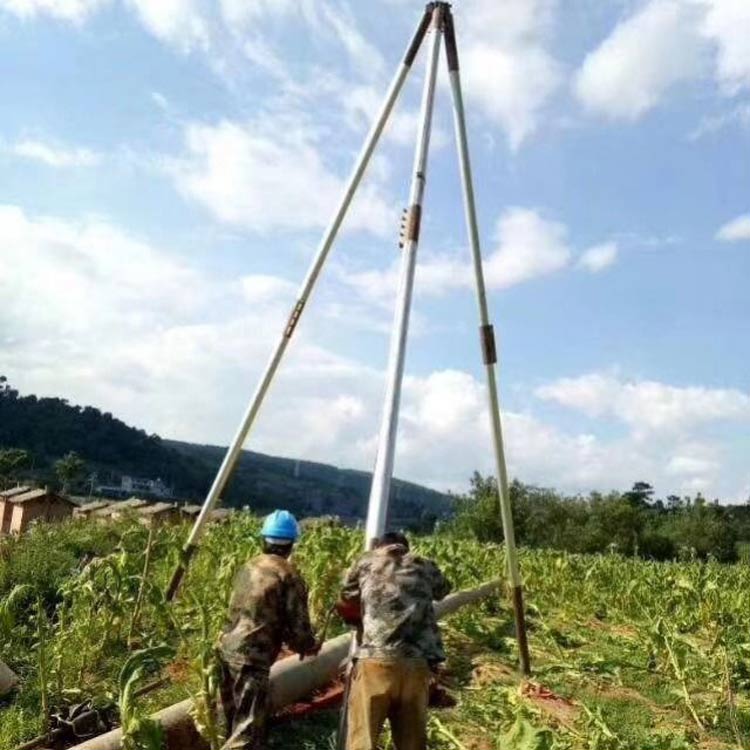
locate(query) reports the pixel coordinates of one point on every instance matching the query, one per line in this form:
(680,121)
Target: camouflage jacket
(268,608)
(396,591)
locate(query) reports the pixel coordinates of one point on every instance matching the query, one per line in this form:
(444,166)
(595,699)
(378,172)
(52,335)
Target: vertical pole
(306,289)
(489,349)
(381,480)
(383,472)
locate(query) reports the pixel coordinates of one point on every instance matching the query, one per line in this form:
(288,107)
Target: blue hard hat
(281,525)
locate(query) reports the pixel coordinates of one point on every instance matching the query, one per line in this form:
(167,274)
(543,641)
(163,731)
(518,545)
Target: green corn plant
(140,732)
(677,658)
(205,702)
(9,608)
(143,583)
(43,662)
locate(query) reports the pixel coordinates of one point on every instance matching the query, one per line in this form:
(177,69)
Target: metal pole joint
(294,318)
(489,348)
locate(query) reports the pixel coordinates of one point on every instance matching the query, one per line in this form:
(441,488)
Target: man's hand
(314,651)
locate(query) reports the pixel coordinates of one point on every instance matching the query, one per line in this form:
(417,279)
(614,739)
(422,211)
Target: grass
(617,644)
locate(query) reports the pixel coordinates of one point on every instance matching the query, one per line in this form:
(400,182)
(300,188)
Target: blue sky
(166,170)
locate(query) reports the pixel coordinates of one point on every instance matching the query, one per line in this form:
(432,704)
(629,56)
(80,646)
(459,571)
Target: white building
(136,486)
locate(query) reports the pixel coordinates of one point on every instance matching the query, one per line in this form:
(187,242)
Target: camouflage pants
(244,702)
(396,690)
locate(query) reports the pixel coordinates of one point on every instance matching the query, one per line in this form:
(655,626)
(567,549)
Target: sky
(167,169)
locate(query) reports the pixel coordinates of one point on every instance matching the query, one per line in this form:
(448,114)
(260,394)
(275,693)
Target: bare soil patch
(554,706)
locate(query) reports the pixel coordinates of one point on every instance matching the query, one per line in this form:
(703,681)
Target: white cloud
(365,57)
(182,23)
(511,85)
(647,406)
(327,21)
(695,486)
(689,465)
(118,329)
(445,422)
(645,55)
(738,116)
(575,461)
(506,69)
(727,24)
(74,11)
(512,21)
(270,175)
(261,288)
(441,401)
(599,257)
(698,466)
(662,44)
(736,230)
(377,286)
(239,13)
(161,101)
(528,246)
(72,265)
(54,155)
(667,440)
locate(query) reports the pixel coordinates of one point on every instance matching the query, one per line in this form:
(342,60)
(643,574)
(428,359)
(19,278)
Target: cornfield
(627,653)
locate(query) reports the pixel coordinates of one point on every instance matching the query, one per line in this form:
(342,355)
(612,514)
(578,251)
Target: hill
(313,488)
(49,428)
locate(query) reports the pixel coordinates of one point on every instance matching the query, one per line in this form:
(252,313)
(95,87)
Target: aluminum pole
(383,472)
(489,349)
(233,452)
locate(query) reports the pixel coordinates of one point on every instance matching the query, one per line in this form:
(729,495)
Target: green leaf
(525,736)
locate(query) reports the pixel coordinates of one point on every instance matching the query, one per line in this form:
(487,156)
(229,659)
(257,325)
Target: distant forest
(635,522)
(51,441)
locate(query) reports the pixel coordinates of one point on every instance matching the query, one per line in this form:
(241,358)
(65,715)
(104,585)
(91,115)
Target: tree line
(634,522)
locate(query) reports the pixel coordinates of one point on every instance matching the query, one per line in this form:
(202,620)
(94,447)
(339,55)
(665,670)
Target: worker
(389,593)
(268,608)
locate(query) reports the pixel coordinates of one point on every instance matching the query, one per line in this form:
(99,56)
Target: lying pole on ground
(290,681)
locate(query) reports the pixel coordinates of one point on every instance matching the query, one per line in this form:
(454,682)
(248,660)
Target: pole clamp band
(489,350)
(413,223)
(186,553)
(294,318)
